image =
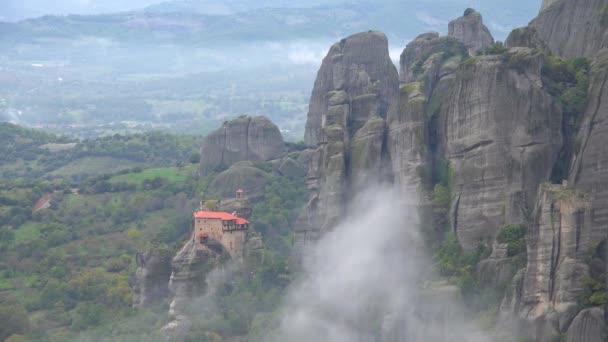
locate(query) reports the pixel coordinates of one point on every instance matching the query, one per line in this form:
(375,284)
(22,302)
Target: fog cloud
(370,280)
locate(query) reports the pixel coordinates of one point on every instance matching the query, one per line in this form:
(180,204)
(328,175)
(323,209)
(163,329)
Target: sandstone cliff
(241,139)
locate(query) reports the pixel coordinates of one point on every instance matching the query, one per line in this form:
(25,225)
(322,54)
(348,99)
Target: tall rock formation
(428,67)
(151,277)
(569,222)
(190,268)
(573,28)
(487,128)
(470,30)
(356,66)
(355,86)
(241,139)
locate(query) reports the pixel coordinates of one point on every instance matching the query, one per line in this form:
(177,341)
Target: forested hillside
(72,220)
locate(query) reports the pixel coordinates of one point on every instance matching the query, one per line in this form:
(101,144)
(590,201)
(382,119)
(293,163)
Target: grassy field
(94,165)
(172,174)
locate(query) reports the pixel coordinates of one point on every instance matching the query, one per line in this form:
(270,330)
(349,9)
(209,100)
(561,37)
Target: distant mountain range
(193,21)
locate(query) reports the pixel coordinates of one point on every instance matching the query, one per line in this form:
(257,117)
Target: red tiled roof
(220,215)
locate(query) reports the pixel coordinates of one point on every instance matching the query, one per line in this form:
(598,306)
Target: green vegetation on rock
(567,81)
(514,236)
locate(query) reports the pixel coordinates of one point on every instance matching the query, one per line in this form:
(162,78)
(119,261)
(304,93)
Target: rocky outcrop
(356,66)
(573,28)
(242,139)
(547,3)
(590,325)
(242,175)
(470,30)
(501,135)
(190,268)
(527,37)
(291,168)
(240,206)
(355,86)
(151,277)
(417,52)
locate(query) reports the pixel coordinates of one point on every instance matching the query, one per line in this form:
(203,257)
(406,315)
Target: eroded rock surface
(151,277)
(558,240)
(355,86)
(590,325)
(527,37)
(188,284)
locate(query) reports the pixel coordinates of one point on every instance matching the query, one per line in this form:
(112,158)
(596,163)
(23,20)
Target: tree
(14,319)
(195,158)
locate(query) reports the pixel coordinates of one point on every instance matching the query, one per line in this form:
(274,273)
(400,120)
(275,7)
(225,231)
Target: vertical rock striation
(589,170)
(502,135)
(557,241)
(573,28)
(590,325)
(428,68)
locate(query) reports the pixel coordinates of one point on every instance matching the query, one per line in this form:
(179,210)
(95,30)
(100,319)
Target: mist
(371,280)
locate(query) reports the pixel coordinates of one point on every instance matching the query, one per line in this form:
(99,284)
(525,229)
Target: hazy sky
(20,9)
(13,10)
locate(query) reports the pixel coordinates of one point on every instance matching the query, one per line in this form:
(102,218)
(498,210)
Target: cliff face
(241,139)
(558,240)
(355,86)
(588,172)
(501,133)
(190,267)
(573,28)
(488,120)
(428,67)
(470,30)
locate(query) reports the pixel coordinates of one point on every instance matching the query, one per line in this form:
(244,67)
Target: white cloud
(429,20)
